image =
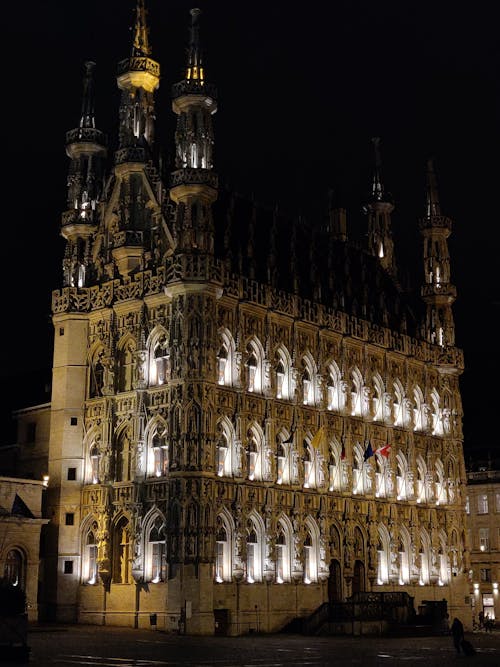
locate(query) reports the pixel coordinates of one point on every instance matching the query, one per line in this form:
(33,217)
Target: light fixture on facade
(45,480)
(495,586)
(476,588)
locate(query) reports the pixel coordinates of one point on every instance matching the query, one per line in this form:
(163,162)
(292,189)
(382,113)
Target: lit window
(482,504)
(484,539)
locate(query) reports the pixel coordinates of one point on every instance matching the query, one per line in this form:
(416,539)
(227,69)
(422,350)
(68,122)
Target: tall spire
(87,118)
(194,182)
(437,292)
(86,148)
(138,77)
(140,46)
(194,70)
(379,208)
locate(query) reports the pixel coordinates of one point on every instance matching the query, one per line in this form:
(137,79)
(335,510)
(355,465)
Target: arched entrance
(334,582)
(358,579)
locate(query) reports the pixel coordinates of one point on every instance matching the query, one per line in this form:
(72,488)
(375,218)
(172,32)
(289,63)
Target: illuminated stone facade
(218,385)
(483,523)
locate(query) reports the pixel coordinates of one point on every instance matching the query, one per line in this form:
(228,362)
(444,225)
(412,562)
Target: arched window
(443,561)
(158,458)
(280,378)
(381,476)
(418,410)
(159,367)
(309,380)
(283,553)
(280,462)
(155,552)
(222,364)
(254,557)
(437,417)
(307,388)
(15,568)
(336,467)
(254,454)
(361,479)
(308,559)
(404,557)
(223,550)
(221,542)
(356,393)
(311,552)
(336,395)
(421,481)
(424,556)
(378,399)
(226,357)
(383,549)
(308,460)
(94,457)
(397,406)
(222,453)
(89,565)
(401,477)
(441,496)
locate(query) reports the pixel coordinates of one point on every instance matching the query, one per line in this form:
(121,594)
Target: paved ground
(92,646)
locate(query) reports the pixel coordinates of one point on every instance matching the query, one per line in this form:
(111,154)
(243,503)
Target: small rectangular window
(485,575)
(74,421)
(70,519)
(71,474)
(497,502)
(68,567)
(61,331)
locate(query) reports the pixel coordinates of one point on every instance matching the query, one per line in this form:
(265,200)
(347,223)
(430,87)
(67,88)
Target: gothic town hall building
(246,420)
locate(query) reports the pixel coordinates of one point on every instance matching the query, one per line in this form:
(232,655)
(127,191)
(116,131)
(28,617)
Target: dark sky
(302,89)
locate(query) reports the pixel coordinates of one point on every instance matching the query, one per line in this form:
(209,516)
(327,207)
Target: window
(484,539)
(252,546)
(14,571)
(156,552)
(90,557)
(94,465)
(61,331)
(280,377)
(280,548)
(485,574)
(160,453)
(68,567)
(252,372)
(219,556)
(70,519)
(497,502)
(73,421)
(482,504)
(222,450)
(71,474)
(222,362)
(308,558)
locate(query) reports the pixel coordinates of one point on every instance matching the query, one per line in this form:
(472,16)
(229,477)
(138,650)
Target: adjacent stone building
(249,416)
(483,523)
(20,524)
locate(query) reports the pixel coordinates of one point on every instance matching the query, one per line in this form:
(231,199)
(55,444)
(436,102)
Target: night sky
(302,89)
